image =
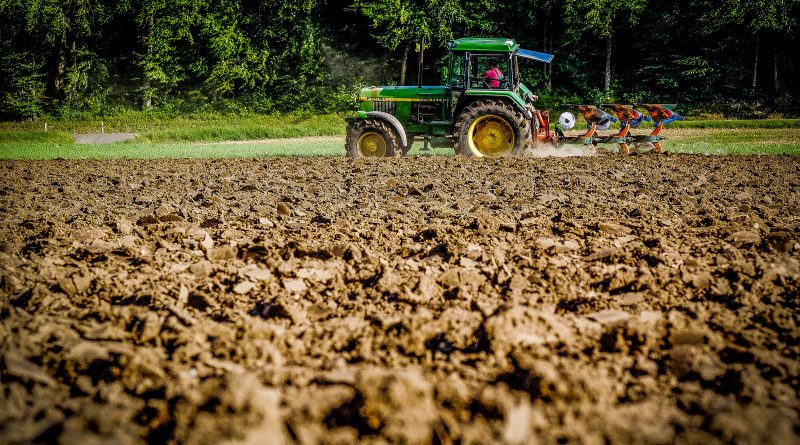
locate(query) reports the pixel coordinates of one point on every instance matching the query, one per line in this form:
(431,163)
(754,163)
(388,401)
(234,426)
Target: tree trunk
(775,86)
(544,49)
(550,65)
(404,66)
(755,63)
(147,93)
(61,66)
(73,54)
(607,83)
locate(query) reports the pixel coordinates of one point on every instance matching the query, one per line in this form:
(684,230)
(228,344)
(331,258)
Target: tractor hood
(403,93)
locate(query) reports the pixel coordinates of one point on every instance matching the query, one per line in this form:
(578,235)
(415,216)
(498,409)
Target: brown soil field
(591,300)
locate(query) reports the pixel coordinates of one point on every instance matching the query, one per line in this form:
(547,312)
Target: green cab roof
(475,44)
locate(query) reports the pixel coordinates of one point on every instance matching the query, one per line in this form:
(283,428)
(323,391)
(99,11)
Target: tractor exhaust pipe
(421,54)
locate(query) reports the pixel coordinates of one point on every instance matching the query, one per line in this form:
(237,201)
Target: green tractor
(483,110)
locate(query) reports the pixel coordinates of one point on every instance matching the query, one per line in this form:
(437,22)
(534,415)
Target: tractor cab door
(456,80)
(457,67)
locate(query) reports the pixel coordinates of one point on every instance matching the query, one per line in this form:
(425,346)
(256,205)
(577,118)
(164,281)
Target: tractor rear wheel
(371,137)
(491,128)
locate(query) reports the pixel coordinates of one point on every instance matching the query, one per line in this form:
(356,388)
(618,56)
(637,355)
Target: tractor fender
(392,121)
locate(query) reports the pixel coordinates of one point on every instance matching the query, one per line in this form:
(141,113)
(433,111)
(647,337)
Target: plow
(484,110)
(598,120)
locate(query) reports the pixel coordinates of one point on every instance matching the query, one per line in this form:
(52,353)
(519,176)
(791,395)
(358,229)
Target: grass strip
(685,140)
(719,141)
(159,126)
(242,132)
(149,150)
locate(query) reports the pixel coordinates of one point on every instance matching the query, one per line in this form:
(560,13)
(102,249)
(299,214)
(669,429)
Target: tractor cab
(471,61)
(482,64)
(480,71)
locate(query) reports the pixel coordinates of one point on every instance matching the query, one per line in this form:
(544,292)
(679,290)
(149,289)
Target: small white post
(102,127)
(45,127)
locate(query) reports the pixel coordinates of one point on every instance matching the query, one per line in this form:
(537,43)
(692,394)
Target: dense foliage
(69,57)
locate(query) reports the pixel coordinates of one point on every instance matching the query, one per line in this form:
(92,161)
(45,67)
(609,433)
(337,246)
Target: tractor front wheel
(371,137)
(492,129)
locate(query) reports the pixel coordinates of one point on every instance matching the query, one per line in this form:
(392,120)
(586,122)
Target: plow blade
(661,116)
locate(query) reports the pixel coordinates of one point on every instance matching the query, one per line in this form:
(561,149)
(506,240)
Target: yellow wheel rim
(491,136)
(372,144)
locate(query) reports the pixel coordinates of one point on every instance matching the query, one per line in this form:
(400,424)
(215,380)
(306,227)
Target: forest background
(81,58)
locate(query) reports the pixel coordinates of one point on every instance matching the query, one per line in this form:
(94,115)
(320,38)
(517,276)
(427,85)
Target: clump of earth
(603,300)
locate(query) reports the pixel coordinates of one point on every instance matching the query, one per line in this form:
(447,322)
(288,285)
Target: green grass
(162,127)
(150,150)
(240,133)
(58,137)
(266,127)
(719,141)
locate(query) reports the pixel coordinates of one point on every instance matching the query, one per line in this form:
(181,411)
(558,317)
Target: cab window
(480,67)
(455,70)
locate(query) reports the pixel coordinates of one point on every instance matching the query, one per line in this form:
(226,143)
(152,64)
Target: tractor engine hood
(402,93)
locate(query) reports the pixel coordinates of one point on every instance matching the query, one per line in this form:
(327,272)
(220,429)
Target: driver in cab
(493,76)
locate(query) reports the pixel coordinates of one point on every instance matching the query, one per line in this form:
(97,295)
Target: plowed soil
(588,300)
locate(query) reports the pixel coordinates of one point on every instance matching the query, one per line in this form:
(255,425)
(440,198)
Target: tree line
(99,56)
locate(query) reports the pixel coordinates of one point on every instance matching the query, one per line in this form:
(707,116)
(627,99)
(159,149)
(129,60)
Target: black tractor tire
(372,137)
(506,131)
